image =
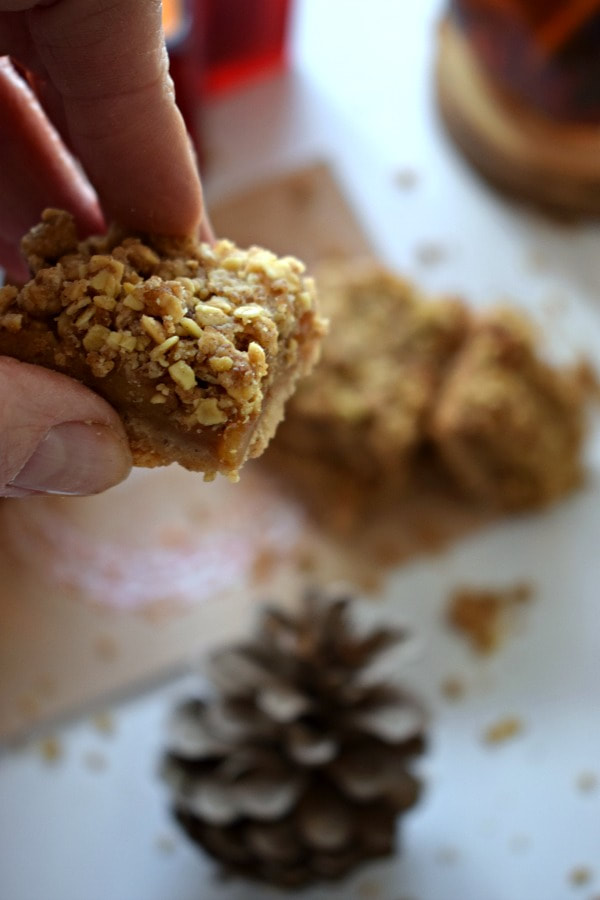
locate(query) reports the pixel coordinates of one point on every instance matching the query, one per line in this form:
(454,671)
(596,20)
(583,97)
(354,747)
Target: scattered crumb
(587,782)
(95,761)
(406,178)
(503,730)
(264,564)
(588,379)
(165,844)
(580,876)
(430,253)
(51,750)
(453,688)
(161,611)
(483,616)
(447,855)
(104,723)
(519,843)
(371,582)
(106,647)
(304,558)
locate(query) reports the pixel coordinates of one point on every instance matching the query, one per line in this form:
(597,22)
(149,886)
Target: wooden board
(101,595)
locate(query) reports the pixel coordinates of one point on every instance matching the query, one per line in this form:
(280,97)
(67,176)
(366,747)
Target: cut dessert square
(196,346)
(366,406)
(509,426)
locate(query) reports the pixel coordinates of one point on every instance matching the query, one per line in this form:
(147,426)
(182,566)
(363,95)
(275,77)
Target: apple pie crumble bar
(409,385)
(365,407)
(196,346)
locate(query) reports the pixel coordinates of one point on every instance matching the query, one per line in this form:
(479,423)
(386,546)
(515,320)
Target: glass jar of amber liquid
(518,84)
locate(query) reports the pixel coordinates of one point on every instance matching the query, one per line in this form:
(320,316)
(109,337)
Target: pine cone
(298,769)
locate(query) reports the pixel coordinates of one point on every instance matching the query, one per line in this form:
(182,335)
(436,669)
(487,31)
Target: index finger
(108,61)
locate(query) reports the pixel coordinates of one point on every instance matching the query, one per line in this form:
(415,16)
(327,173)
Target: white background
(510,817)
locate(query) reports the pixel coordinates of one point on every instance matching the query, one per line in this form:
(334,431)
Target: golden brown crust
(196,346)
(509,426)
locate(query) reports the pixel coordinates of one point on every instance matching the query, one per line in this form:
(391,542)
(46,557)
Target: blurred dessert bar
(366,407)
(197,347)
(407,384)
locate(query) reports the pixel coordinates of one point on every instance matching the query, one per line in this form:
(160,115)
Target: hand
(97,90)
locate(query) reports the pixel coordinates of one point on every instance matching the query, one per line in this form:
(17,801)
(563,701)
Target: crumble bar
(410,385)
(508,425)
(364,409)
(196,346)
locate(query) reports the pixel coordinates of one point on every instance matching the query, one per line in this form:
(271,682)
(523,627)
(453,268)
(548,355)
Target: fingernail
(75,458)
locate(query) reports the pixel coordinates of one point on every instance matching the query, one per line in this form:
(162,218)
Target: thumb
(56,436)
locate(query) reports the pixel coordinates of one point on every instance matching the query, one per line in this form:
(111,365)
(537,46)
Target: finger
(56,436)
(36,169)
(108,61)
(52,104)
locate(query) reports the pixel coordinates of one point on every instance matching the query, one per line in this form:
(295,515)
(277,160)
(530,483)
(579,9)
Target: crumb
(304,559)
(104,723)
(503,730)
(106,647)
(95,761)
(447,855)
(264,564)
(165,844)
(197,346)
(588,379)
(371,581)
(430,253)
(519,843)
(453,688)
(587,782)
(51,750)
(483,615)
(406,178)
(580,876)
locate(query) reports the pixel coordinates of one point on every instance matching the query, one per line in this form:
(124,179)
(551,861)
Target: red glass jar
(217,45)
(519,89)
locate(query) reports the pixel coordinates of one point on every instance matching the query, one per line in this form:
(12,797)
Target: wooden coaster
(554,166)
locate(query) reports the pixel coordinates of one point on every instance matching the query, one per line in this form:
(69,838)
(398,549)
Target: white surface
(513,814)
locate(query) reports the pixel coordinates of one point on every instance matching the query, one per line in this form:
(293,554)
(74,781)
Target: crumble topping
(213,337)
